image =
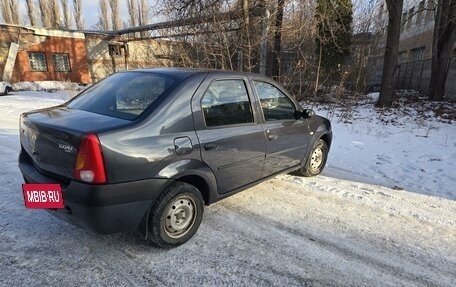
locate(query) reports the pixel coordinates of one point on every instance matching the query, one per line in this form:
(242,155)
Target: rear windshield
(123,95)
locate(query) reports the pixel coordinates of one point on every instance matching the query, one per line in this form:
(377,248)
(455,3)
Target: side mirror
(307,113)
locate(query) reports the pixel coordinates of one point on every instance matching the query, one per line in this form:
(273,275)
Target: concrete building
(416,30)
(107,54)
(415,47)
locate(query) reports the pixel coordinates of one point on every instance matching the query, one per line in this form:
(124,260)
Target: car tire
(317,159)
(176,215)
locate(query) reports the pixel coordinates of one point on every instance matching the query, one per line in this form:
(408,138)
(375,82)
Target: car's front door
(287,135)
(232,142)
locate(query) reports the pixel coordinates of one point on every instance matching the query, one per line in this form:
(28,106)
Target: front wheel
(176,215)
(317,159)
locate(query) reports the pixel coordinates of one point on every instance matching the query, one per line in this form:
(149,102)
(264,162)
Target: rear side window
(123,95)
(226,103)
(275,104)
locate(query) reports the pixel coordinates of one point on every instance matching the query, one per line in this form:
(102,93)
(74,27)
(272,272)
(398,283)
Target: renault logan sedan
(147,149)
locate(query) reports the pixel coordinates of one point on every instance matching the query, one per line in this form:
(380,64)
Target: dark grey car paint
(170,141)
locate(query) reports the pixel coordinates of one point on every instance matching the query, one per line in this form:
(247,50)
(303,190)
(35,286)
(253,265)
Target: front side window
(123,95)
(37,62)
(226,102)
(61,62)
(275,104)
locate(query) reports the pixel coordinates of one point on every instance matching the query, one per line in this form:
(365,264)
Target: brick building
(38,54)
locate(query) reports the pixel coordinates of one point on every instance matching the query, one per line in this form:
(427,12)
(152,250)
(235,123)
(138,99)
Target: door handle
(210,146)
(272,137)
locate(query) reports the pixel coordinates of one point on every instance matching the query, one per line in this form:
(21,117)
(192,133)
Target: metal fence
(416,75)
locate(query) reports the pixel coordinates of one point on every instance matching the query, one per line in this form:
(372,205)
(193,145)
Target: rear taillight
(89,165)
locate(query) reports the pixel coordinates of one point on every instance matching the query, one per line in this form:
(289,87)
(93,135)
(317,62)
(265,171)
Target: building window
(418,53)
(115,50)
(402,57)
(410,15)
(381,13)
(37,62)
(430,10)
(403,20)
(61,62)
(419,15)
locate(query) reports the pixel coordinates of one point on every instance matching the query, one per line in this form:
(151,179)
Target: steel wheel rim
(316,159)
(180,216)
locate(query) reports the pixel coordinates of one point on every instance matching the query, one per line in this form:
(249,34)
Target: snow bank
(407,147)
(47,86)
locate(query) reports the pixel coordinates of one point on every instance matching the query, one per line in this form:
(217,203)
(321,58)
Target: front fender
(322,129)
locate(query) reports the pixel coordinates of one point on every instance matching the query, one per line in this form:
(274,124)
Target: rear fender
(185,169)
(191,167)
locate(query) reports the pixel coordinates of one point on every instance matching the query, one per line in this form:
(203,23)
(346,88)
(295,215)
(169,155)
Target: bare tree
(277,38)
(10,11)
(133,12)
(66,13)
(391,49)
(193,8)
(6,11)
(245,45)
(103,16)
(444,39)
(15,11)
(56,14)
(32,12)
(143,12)
(45,7)
(77,7)
(115,14)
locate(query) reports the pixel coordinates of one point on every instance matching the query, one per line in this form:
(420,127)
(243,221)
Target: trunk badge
(66,148)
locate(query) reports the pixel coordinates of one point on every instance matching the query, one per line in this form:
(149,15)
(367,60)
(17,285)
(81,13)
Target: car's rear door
(231,139)
(287,134)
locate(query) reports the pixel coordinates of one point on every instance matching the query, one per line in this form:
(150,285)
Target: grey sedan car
(147,149)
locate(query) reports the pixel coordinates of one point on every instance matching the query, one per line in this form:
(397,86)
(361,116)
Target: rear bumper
(107,208)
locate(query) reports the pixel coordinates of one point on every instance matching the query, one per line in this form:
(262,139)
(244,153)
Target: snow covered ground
(348,227)
(397,149)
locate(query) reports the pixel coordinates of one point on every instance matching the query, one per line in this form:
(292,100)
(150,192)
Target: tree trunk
(264,40)
(246,45)
(391,50)
(439,71)
(443,42)
(77,7)
(277,39)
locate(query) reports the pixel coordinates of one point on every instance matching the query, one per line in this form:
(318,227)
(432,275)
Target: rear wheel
(176,215)
(317,159)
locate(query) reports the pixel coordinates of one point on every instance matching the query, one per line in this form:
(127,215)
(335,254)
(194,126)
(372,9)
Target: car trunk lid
(51,137)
